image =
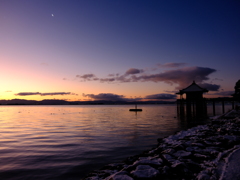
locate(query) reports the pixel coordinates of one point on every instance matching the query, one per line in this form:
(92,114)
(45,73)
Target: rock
(179,147)
(165,170)
(192,148)
(149,161)
(198,145)
(203,177)
(201,156)
(168,151)
(182,154)
(145,171)
(193,166)
(120,176)
(180,168)
(168,157)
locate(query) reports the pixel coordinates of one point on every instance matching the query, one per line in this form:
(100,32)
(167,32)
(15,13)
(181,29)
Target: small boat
(136,109)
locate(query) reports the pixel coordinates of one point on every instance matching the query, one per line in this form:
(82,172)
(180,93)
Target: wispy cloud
(44,94)
(114,77)
(56,93)
(133,71)
(87,77)
(27,93)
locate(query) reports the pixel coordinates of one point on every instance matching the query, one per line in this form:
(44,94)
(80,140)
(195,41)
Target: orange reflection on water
(34,137)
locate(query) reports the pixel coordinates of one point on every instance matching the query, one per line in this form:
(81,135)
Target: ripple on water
(60,142)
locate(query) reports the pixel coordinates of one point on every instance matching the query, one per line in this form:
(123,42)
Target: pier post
(214,112)
(189,107)
(205,107)
(193,107)
(223,108)
(182,108)
(178,108)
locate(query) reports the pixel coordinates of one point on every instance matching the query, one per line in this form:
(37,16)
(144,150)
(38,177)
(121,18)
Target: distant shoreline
(63,102)
(95,102)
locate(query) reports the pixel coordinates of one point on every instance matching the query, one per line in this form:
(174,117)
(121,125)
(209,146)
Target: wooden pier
(193,108)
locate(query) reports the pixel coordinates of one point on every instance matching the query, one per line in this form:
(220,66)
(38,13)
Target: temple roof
(192,88)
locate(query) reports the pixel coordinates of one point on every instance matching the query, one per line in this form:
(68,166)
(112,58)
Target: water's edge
(197,153)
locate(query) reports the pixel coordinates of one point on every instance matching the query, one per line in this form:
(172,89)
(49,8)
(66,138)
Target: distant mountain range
(63,102)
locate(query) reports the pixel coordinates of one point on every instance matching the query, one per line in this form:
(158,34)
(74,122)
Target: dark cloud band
(106,97)
(181,77)
(161,97)
(133,71)
(116,97)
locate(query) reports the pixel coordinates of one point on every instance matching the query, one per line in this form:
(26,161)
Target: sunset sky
(117,49)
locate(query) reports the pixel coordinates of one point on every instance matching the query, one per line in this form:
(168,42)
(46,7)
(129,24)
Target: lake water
(67,142)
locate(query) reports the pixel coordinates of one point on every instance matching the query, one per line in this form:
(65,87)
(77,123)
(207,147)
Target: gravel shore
(201,153)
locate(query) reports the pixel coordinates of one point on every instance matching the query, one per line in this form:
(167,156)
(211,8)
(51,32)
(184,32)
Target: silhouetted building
(195,103)
(236,95)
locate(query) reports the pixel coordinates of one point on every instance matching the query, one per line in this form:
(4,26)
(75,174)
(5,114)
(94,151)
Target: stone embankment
(199,153)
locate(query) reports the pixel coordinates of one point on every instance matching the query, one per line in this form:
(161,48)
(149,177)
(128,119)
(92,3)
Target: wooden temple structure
(194,104)
(236,95)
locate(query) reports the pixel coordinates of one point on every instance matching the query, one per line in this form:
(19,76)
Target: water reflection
(56,142)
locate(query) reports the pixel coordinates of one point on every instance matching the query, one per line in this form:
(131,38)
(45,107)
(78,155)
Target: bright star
(52,15)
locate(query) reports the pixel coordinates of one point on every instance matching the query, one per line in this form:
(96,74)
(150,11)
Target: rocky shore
(201,153)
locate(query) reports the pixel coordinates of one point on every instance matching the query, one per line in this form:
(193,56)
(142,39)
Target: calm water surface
(67,142)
